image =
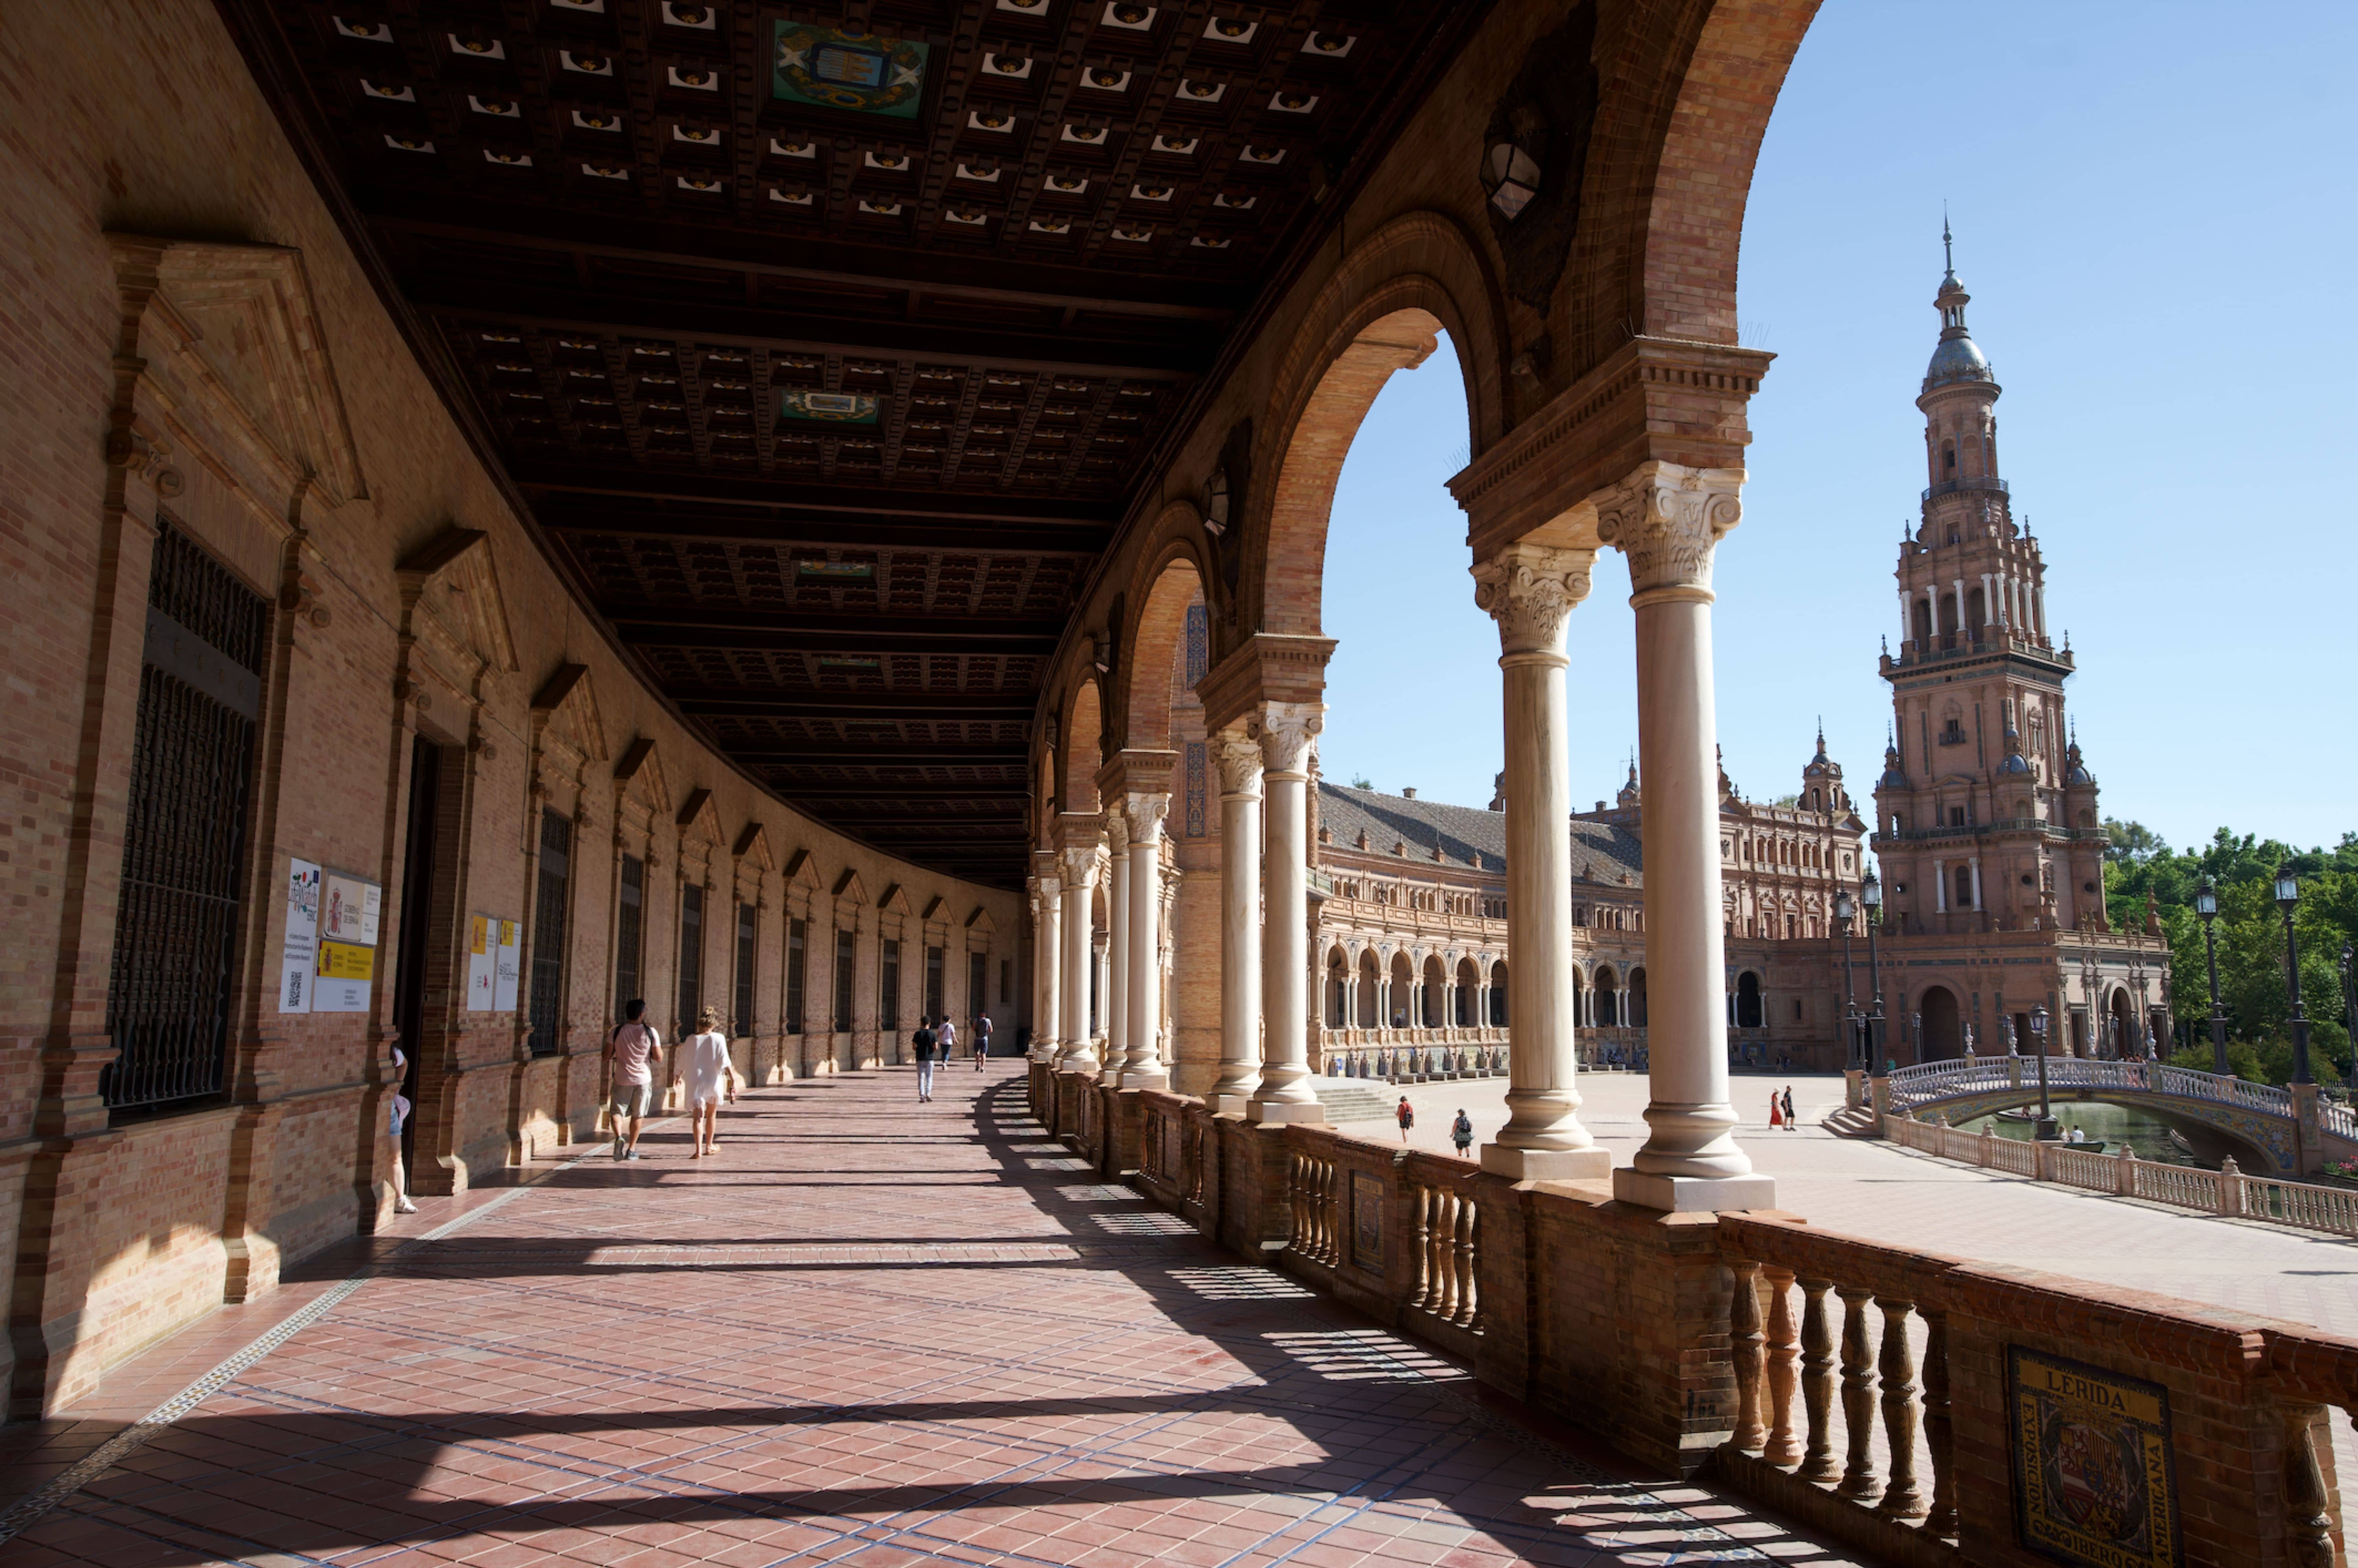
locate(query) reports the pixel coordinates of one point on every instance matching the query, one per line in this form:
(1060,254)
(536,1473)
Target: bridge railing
(2226,1190)
(1932,1081)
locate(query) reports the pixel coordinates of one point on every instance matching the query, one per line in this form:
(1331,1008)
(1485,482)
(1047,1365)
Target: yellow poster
(476,935)
(346,961)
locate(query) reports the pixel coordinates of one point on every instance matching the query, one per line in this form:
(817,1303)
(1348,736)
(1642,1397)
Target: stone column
(1079,1052)
(1531,591)
(1048,956)
(1142,1068)
(1117,949)
(1284,1094)
(1238,759)
(1668,519)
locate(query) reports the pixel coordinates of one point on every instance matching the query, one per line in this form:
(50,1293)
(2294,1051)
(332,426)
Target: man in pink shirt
(635,1051)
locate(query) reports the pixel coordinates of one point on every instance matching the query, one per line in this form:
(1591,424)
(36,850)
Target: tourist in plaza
(707,1074)
(1406,1116)
(946,1040)
(1776,1109)
(981,1039)
(1790,1124)
(1461,1132)
(925,1040)
(635,1050)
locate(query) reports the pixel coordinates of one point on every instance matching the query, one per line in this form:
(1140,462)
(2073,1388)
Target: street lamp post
(2349,1002)
(1844,911)
(2048,1131)
(1870,893)
(2206,904)
(2287,896)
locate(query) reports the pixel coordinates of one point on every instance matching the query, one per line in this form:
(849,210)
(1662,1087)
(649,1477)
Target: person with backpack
(635,1050)
(1461,1132)
(707,1074)
(981,1039)
(1790,1124)
(925,1041)
(1406,1116)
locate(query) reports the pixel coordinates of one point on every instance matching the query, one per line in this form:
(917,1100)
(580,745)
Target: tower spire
(1948,251)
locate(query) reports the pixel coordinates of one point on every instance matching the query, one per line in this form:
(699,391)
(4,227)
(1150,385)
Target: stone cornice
(1655,398)
(1270,667)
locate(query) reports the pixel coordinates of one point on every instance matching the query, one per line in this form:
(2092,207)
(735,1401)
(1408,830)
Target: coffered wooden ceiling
(828,349)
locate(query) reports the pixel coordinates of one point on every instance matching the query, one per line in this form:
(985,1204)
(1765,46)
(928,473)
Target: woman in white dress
(707,1074)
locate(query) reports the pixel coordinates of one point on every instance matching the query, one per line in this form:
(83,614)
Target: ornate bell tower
(1982,822)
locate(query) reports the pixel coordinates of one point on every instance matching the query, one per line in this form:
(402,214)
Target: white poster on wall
(482,962)
(302,945)
(511,954)
(345,967)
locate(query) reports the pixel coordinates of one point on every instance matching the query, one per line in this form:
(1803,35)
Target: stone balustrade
(2227,1191)
(1912,1406)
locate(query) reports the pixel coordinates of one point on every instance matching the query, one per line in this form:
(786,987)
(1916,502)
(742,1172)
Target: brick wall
(116,1235)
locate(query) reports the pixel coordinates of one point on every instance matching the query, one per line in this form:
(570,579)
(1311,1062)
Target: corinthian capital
(1117,833)
(1531,591)
(1239,758)
(1080,866)
(1668,519)
(1287,732)
(1145,812)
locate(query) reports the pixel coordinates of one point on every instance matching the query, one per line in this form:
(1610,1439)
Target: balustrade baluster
(1859,1481)
(1818,1462)
(1420,1216)
(1295,1175)
(1463,1316)
(1901,1497)
(1939,1434)
(1784,1445)
(1444,1253)
(1745,1339)
(1330,1212)
(2308,1524)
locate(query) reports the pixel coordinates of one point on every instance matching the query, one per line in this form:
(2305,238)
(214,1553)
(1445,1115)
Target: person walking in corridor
(925,1041)
(635,1050)
(706,1075)
(981,1039)
(1406,1116)
(946,1039)
(1461,1132)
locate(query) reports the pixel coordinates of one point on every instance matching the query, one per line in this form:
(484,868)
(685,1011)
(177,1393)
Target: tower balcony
(1951,486)
(1990,641)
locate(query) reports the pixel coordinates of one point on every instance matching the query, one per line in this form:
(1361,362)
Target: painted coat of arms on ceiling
(829,407)
(859,72)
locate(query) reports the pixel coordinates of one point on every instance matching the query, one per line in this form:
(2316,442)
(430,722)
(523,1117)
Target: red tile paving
(870,1332)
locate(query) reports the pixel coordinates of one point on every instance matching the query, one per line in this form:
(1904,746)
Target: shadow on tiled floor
(869,1332)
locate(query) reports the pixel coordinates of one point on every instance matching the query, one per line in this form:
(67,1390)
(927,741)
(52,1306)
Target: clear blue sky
(2154,214)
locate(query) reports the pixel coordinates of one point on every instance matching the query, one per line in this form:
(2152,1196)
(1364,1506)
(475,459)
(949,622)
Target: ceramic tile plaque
(2092,1480)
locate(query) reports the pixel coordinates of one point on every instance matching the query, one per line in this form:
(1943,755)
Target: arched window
(1749,1013)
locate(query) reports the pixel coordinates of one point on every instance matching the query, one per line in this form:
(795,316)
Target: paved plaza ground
(871,1332)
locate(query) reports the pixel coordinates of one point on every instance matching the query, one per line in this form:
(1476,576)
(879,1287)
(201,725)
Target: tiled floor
(870,1332)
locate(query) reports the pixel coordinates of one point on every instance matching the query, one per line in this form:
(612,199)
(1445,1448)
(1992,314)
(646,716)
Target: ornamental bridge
(2286,1131)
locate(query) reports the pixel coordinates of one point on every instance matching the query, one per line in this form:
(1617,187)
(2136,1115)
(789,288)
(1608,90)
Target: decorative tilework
(1199,644)
(1196,790)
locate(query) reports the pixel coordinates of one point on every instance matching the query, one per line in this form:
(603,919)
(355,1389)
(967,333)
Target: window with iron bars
(181,903)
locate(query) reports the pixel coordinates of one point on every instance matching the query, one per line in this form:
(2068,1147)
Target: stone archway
(1751,1012)
(1609,997)
(1941,1033)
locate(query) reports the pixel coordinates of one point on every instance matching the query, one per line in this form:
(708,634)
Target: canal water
(2114,1124)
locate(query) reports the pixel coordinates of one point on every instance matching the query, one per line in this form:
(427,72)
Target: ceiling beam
(487,302)
(817,259)
(713,702)
(559,516)
(1010,754)
(568,478)
(819,621)
(903,789)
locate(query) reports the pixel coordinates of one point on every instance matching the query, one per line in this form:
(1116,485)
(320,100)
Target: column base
(1547,1165)
(1311,1114)
(1230,1105)
(1693,1195)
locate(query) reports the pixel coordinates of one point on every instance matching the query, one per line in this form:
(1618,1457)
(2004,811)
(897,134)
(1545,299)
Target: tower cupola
(1957,357)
